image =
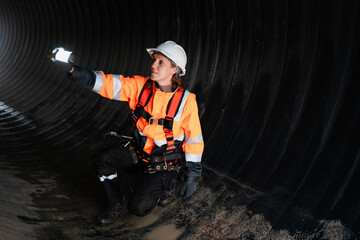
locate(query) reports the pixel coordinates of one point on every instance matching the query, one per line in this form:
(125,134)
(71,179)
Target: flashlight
(60,54)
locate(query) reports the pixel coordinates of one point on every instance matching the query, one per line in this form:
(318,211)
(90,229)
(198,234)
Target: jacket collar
(174,87)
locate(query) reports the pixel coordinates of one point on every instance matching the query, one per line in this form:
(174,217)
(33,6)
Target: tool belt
(158,160)
(160,163)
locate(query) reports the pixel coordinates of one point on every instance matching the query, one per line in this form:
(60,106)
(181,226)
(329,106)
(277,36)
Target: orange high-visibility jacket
(186,125)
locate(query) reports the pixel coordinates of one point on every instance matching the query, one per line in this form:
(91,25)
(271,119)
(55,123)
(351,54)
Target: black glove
(111,138)
(192,178)
(83,76)
(66,67)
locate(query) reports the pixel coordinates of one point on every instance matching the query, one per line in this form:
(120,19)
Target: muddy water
(162,232)
(166,232)
(16,208)
(139,222)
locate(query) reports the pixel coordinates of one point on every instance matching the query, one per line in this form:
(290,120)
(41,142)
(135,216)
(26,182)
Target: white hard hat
(172,51)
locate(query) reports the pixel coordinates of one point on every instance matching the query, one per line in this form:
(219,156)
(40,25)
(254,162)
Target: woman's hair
(175,78)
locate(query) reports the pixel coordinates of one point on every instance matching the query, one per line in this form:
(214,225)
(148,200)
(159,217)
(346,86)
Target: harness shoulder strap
(174,103)
(172,109)
(145,94)
(144,98)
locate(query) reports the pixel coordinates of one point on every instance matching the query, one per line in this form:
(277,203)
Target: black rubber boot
(116,202)
(110,214)
(169,195)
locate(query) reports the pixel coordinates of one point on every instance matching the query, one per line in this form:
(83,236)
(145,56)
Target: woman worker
(167,132)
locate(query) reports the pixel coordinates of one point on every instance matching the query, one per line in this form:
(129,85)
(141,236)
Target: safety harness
(171,155)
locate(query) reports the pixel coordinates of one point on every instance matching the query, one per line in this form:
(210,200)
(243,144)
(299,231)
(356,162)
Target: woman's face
(162,69)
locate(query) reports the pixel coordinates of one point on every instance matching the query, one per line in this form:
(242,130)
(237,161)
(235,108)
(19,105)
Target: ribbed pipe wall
(276,84)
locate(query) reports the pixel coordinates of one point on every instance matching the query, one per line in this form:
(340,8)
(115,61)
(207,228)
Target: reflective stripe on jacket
(186,126)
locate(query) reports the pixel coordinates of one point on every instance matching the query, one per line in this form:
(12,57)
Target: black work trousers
(118,159)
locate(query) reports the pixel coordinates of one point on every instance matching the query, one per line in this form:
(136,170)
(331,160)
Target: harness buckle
(153,121)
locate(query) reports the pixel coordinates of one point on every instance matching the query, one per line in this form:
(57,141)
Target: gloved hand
(66,67)
(111,138)
(83,76)
(188,189)
(192,177)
